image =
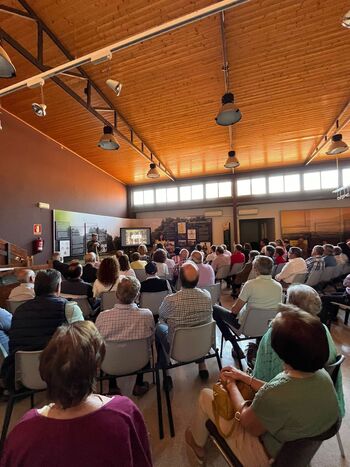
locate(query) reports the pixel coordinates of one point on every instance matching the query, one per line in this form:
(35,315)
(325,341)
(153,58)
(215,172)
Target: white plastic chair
(108,300)
(152,300)
(84,304)
(300,278)
(223,272)
(328,274)
(236,268)
(215,292)
(279,268)
(140,274)
(12,305)
(314,278)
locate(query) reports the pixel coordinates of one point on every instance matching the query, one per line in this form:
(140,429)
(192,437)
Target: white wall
(218,222)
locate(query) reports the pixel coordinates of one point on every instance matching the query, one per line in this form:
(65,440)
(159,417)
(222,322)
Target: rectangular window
(258,186)
(312,181)
(276,184)
(171,195)
(211,190)
(329,179)
(225,189)
(138,198)
(148,197)
(243,187)
(185,193)
(161,195)
(197,192)
(346,177)
(291,183)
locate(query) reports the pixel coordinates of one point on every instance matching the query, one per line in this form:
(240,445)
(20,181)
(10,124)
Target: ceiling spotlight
(107,140)
(337,145)
(153,172)
(229,113)
(231,161)
(40,109)
(7,69)
(116,86)
(346,20)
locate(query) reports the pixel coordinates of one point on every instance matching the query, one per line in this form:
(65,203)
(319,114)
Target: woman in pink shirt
(78,428)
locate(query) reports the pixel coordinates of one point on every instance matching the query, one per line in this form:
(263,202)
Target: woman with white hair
(268,364)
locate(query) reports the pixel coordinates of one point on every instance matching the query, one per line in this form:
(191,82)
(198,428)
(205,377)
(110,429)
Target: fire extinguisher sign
(37,229)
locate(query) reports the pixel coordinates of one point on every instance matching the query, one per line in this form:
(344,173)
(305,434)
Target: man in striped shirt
(316,262)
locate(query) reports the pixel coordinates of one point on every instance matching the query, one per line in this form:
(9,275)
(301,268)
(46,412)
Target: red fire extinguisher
(38,245)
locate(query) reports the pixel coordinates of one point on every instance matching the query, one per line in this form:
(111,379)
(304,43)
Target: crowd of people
(290,358)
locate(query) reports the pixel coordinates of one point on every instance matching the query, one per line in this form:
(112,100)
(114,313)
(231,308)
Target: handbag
(222,404)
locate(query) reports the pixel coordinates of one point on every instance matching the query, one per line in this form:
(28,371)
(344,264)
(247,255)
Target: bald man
(25,290)
(206,272)
(189,307)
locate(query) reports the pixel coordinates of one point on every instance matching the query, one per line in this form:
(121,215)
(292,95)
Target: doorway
(253,230)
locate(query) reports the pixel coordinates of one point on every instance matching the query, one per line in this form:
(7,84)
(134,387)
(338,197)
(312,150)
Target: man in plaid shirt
(127,322)
(316,262)
(189,307)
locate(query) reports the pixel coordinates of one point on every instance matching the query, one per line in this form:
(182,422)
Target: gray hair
(197,257)
(318,249)
(128,289)
(263,265)
(90,257)
(25,276)
(328,249)
(305,297)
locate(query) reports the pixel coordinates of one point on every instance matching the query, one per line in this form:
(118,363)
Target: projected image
(133,237)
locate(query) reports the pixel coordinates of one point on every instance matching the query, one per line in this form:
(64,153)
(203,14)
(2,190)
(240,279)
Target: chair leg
(159,406)
(153,365)
(7,420)
(170,413)
(340,444)
(222,345)
(218,359)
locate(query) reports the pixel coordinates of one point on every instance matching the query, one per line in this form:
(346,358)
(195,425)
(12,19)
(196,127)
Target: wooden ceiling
(289,71)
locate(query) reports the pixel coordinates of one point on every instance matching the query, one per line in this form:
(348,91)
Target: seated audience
(247,248)
(125,267)
(329,309)
(270,251)
(345,250)
(279,256)
(206,273)
(296,265)
(25,290)
(260,293)
(212,255)
(153,283)
(142,250)
(199,247)
(36,320)
(90,269)
(74,284)
(242,276)
(171,267)
(159,257)
(299,403)
(176,257)
(263,243)
(287,244)
(279,242)
(119,253)
(126,321)
(59,265)
(268,364)
(108,276)
(5,325)
(328,256)
(237,257)
(221,259)
(137,262)
(339,256)
(78,427)
(189,307)
(226,251)
(316,261)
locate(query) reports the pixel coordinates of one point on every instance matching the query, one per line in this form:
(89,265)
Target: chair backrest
(192,343)
(334,368)
(215,292)
(256,321)
(274,269)
(108,300)
(27,369)
(314,278)
(140,274)
(299,278)
(299,453)
(279,268)
(12,305)
(328,274)
(152,300)
(338,270)
(84,305)
(223,271)
(123,358)
(236,268)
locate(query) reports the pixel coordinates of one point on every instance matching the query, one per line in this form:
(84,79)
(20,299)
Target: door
(253,230)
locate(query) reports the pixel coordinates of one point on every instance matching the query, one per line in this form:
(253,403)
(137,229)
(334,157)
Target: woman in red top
(237,256)
(280,255)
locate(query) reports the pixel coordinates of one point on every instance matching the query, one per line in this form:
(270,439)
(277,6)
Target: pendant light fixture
(108,141)
(153,172)
(337,146)
(346,20)
(229,113)
(7,68)
(40,109)
(231,161)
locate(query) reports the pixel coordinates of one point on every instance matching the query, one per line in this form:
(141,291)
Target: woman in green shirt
(298,403)
(268,364)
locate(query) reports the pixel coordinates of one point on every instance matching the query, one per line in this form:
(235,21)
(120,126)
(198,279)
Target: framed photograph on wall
(181,228)
(192,234)
(64,248)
